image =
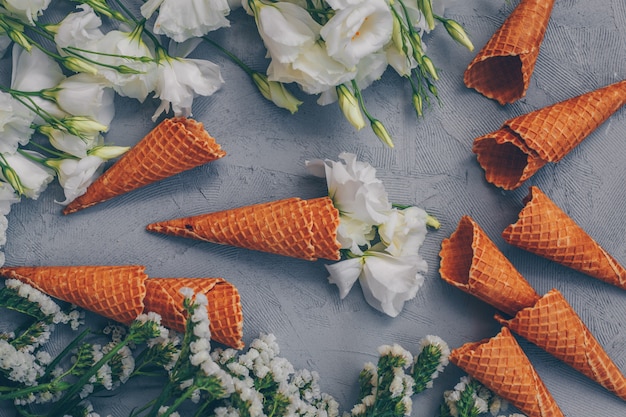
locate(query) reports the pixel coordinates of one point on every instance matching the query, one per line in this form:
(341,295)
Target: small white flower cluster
(444,359)
(383,241)
(484,400)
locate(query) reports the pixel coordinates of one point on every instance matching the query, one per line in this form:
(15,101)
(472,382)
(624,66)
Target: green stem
(230,55)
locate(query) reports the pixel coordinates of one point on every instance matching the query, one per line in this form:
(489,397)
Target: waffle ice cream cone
(545,230)
(163,296)
(115,292)
(526,143)
(173,146)
(502,366)
(553,325)
(503,67)
(471,262)
(285,227)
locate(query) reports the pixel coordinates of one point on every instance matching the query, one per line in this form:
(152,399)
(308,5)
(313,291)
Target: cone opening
(457,254)
(499,78)
(504,163)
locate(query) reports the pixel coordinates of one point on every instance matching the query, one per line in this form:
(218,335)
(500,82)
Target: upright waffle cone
(285,227)
(471,262)
(525,143)
(500,364)
(503,67)
(163,296)
(545,230)
(553,325)
(115,292)
(173,146)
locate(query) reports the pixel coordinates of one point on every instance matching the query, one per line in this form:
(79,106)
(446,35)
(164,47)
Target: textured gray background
(432,167)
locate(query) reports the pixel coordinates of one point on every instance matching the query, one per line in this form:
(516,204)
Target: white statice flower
(75,175)
(34,177)
(404,231)
(19,366)
(15,123)
(358,30)
(180,80)
(85,95)
(27,10)
(182,20)
(287,29)
(79,29)
(359,196)
(387,281)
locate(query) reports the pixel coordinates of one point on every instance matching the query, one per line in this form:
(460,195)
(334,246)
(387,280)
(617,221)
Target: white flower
(74,145)
(387,281)
(34,177)
(36,71)
(113,48)
(75,175)
(359,196)
(357,31)
(286,28)
(27,10)
(15,124)
(182,20)
(79,29)
(179,80)
(7,198)
(313,70)
(85,95)
(404,231)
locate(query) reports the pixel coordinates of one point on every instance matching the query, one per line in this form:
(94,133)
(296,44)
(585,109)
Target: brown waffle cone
(471,262)
(281,227)
(503,67)
(553,325)
(324,228)
(545,230)
(506,159)
(502,366)
(305,229)
(525,143)
(163,296)
(173,146)
(115,292)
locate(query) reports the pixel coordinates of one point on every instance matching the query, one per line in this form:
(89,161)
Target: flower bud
(13,179)
(350,107)
(457,33)
(19,38)
(78,65)
(429,66)
(276,92)
(83,126)
(380,131)
(426,7)
(108,152)
(418,104)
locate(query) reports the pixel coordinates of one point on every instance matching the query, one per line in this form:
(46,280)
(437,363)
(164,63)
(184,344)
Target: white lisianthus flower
(286,28)
(182,20)
(180,80)
(27,10)
(75,175)
(8,197)
(359,196)
(78,29)
(85,95)
(74,145)
(357,31)
(313,70)
(387,281)
(34,177)
(404,231)
(15,124)
(36,71)
(112,49)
